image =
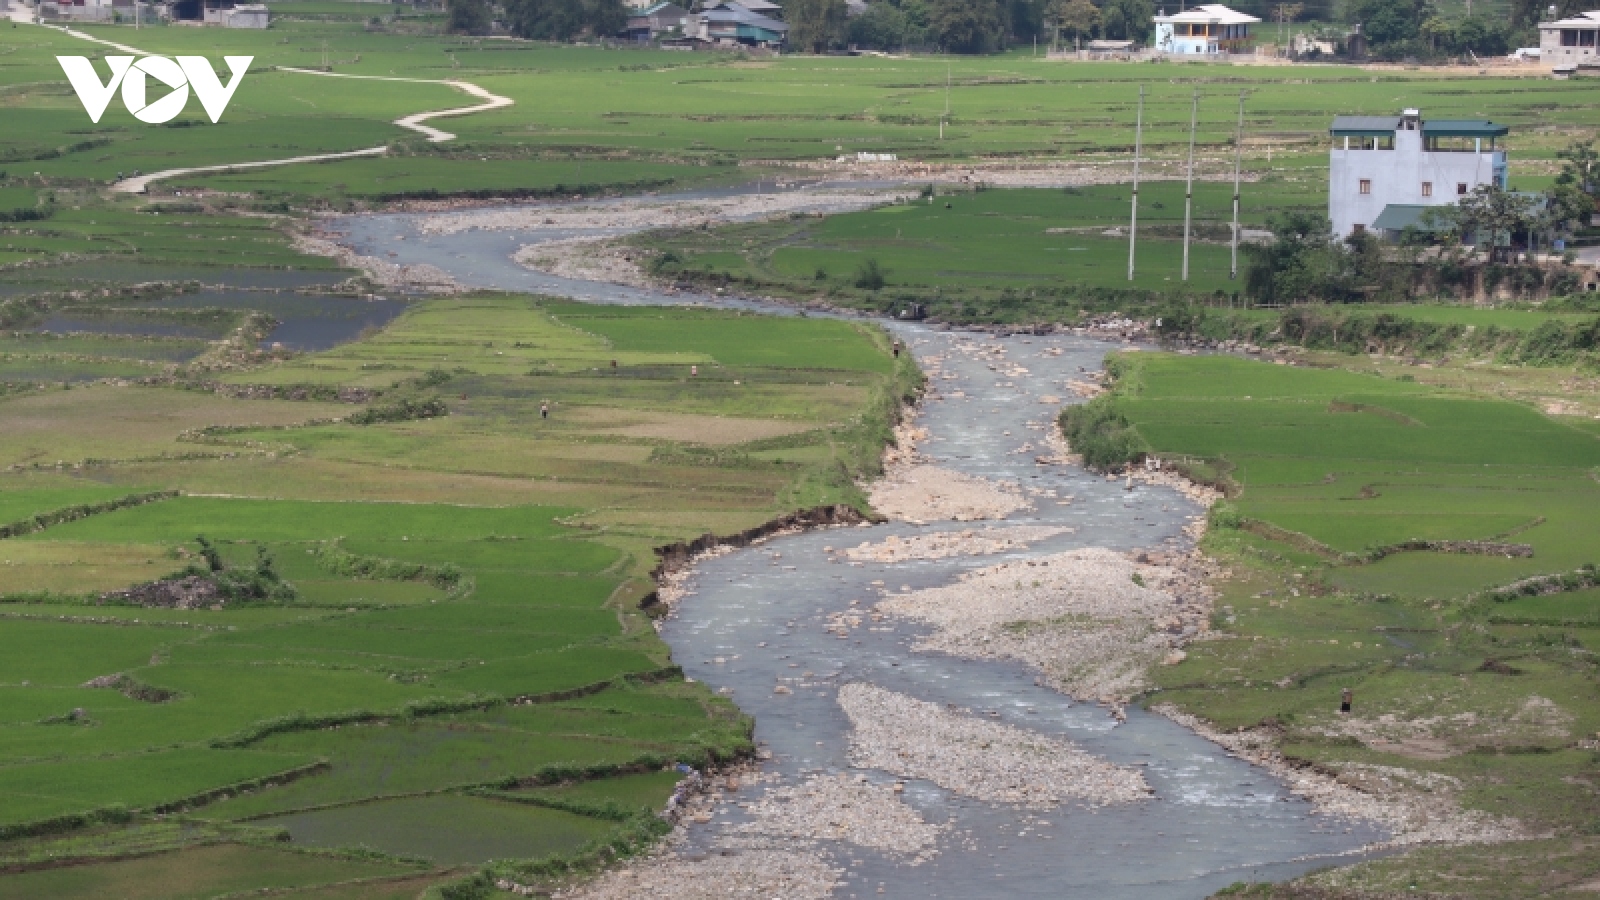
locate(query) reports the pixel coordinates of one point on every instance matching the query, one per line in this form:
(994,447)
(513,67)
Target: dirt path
(414,122)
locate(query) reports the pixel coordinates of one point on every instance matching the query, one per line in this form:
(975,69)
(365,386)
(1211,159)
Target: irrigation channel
(757,616)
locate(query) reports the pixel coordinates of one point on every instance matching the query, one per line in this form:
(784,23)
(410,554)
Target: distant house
(1571,41)
(734,23)
(662,18)
(1211,28)
(235,15)
(1384,169)
(759,7)
(85,10)
(248,15)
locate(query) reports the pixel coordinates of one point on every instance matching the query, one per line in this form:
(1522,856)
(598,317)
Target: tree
(469,16)
(1127,20)
(1580,166)
(1301,263)
(563,20)
(1026,19)
(1078,18)
(1490,215)
(1531,12)
(882,27)
(967,26)
(816,26)
(1392,26)
(606,17)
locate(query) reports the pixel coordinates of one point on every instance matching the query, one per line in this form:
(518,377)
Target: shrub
(870,277)
(1099,432)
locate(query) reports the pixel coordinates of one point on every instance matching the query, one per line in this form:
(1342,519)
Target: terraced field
(466,578)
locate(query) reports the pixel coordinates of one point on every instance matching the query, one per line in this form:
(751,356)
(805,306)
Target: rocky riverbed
(873,689)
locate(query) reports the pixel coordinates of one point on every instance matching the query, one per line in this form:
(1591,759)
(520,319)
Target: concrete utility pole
(1238,152)
(1188,191)
(1138,146)
(946,101)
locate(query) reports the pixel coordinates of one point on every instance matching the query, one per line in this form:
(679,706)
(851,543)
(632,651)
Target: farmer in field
(544,409)
(1346,697)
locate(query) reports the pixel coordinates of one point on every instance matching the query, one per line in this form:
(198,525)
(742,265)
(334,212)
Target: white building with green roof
(1407,161)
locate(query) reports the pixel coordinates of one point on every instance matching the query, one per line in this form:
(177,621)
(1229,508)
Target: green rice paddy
(1330,469)
(447,566)
(466,614)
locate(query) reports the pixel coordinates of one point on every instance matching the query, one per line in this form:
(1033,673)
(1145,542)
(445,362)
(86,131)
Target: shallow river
(1213,819)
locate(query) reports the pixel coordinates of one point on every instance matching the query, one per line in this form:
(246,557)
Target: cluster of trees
(1304,263)
(545,20)
(1417,28)
(1122,20)
(988,26)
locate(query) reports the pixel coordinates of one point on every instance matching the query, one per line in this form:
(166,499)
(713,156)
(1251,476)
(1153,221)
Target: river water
(1213,819)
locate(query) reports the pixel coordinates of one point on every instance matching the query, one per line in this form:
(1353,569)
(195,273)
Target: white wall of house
(1570,41)
(1408,174)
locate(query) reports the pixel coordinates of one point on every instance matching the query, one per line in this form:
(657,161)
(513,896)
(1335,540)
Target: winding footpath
(138,184)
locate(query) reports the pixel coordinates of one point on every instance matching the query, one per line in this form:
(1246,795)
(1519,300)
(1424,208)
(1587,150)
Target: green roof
(1475,128)
(1365,126)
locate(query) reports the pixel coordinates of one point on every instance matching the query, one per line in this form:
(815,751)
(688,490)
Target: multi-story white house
(1570,41)
(1404,164)
(1210,29)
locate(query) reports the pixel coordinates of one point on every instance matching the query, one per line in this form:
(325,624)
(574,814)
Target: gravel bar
(987,761)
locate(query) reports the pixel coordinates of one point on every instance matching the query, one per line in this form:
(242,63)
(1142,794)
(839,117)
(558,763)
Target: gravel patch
(1079,617)
(984,760)
(922,493)
(844,808)
(943,544)
(655,212)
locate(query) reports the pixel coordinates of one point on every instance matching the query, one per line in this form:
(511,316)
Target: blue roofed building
(730,22)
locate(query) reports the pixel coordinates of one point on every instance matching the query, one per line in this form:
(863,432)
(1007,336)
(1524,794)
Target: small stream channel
(1213,819)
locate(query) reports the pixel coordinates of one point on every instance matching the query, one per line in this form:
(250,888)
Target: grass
(1326,465)
(480,829)
(196,873)
(986,255)
(419,611)
(588,120)
(547,525)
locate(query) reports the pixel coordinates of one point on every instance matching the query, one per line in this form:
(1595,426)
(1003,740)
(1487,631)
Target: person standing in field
(544,409)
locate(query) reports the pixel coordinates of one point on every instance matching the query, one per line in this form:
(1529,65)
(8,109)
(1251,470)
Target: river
(753,618)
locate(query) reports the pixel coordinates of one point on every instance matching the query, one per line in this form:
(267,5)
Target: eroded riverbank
(1145,807)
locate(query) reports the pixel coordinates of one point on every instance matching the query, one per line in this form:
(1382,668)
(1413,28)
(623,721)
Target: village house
(1384,171)
(1207,29)
(654,21)
(735,23)
(1570,42)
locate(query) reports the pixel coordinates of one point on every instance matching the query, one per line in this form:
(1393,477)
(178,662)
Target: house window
(1366,185)
(1427,189)
(1461,189)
